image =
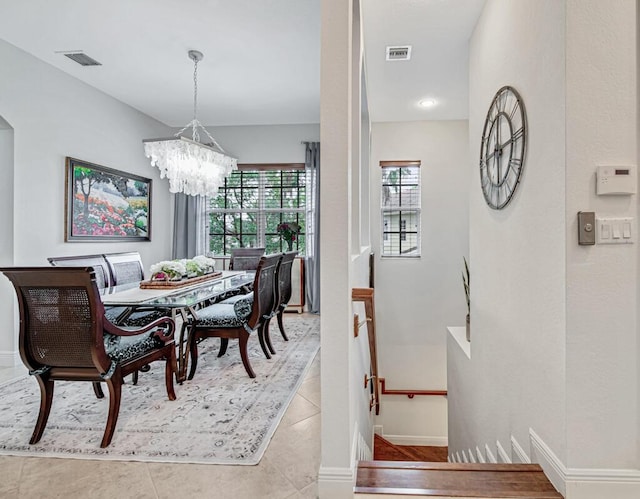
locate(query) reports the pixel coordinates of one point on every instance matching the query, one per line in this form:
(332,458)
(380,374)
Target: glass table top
(187,296)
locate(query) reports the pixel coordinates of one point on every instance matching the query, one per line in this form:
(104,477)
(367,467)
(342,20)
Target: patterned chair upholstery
(64,335)
(237,319)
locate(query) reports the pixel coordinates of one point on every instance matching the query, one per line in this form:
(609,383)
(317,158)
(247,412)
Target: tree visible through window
(251,204)
(400,208)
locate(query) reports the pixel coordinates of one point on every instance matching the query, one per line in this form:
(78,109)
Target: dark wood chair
(245,258)
(283,295)
(98,262)
(236,320)
(64,335)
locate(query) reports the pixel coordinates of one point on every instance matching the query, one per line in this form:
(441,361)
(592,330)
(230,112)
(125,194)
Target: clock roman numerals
(503,147)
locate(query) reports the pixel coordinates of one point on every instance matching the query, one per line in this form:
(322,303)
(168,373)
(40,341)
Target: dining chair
(98,262)
(236,320)
(283,295)
(245,258)
(125,267)
(64,335)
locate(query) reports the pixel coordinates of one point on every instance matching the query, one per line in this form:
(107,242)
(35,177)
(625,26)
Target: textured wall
(515,378)
(419,298)
(53,116)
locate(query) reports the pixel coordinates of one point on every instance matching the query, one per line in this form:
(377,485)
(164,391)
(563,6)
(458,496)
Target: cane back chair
(64,335)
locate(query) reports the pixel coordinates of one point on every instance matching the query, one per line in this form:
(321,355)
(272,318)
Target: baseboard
(335,483)
(481,458)
(503,457)
(490,457)
(518,452)
(415,440)
(9,358)
(584,483)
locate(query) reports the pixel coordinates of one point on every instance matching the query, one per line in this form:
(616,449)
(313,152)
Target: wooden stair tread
(454,480)
(387,451)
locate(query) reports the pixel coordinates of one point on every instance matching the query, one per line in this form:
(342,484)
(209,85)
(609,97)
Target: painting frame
(119,209)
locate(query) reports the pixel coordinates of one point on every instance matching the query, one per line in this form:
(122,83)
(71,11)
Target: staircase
(408,476)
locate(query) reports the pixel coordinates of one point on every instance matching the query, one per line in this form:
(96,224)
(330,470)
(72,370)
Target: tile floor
(288,469)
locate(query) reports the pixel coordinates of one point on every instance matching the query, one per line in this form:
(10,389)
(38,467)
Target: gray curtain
(312,260)
(189,228)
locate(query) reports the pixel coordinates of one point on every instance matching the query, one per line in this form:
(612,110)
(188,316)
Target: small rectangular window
(400,208)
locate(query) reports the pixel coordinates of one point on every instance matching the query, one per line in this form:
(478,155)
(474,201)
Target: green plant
(465,282)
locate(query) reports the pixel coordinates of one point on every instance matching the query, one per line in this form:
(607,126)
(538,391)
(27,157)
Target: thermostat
(616,180)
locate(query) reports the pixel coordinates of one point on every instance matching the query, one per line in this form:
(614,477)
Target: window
(400,208)
(251,204)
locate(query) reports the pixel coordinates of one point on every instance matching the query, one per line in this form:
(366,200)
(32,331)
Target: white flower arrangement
(206,264)
(175,269)
(168,270)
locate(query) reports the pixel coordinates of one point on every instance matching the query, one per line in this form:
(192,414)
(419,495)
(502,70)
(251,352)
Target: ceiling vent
(82,59)
(399,53)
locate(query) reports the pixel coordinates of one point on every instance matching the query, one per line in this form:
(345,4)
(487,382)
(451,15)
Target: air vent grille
(399,53)
(82,59)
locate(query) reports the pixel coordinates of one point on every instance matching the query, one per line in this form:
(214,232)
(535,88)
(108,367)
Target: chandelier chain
(195,99)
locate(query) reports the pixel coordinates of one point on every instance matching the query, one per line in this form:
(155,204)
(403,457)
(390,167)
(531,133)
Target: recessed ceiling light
(427,103)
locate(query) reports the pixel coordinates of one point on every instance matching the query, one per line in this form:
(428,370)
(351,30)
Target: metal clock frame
(500,174)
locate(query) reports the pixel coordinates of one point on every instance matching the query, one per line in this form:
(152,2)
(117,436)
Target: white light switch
(615,230)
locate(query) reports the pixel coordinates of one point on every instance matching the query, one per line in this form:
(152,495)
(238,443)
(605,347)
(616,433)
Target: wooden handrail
(410,393)
(366,295)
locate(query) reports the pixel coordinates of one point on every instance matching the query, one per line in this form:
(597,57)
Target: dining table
(178,303)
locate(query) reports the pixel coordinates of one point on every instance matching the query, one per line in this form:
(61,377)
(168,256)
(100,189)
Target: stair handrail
(366,296)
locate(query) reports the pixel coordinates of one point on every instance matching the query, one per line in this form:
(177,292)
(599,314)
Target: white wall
(266,143)
(344,401)
(602,286)
(53,116)
(554,326)
(8,342)
(419,297)
(516,376)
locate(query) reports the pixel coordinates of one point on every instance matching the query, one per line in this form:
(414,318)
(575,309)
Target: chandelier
(192,167)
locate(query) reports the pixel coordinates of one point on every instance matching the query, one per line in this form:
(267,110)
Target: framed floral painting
(103,204)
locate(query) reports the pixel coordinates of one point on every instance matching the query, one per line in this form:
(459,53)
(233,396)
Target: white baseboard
(480,456)
(9,358)
(518,452)
(490,457)
(584,483)
(335,483)
(503,457)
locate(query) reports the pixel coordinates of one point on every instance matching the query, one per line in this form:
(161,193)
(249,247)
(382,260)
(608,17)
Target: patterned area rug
(220,417)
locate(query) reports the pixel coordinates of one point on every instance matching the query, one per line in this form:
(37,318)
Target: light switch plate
(615,230)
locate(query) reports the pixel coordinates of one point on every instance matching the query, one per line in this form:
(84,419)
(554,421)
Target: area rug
(220,417)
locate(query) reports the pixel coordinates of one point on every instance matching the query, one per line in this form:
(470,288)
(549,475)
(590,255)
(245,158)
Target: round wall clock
(503,148)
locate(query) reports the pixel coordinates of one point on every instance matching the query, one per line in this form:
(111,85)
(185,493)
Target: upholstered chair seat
(226,314)
(236,317)
(125,348)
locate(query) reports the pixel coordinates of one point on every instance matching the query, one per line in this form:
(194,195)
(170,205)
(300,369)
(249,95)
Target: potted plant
(465,282)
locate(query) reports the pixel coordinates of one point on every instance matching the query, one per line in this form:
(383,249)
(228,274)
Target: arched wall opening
(8,337)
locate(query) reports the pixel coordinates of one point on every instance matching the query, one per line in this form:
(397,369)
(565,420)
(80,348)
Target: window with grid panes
(400,208)
(250,205)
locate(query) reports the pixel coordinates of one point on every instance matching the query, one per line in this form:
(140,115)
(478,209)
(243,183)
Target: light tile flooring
(288,469)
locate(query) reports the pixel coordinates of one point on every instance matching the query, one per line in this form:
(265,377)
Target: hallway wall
(554,359)
(419,297)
